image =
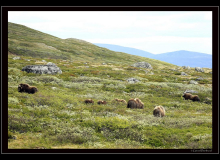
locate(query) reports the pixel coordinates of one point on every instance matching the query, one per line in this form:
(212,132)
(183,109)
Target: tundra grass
(56,117)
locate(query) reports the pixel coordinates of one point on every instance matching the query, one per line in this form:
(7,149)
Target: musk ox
(135,103)
(27,88)
(159,111)
(89,101)
(101,102)
(120,100)
(191,97)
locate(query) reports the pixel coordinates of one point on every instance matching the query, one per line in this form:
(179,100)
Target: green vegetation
(56,117)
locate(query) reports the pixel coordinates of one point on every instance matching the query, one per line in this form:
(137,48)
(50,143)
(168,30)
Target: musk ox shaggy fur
(101,102)
(27,88)
(120,100)
(89,101)
(159,111)
(135,103)
(191,97)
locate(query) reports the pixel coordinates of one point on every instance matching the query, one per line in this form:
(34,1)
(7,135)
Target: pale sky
(152,31)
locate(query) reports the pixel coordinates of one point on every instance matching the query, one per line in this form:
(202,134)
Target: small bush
(76,135)
(13,100)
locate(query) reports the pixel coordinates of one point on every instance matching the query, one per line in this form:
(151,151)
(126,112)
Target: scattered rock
(193,82)
(132,80)
(190,91)
(183,74)
(16,58)
(210,72)
(103,63)
(173,69)
(54,88)
(198,69)
(49,68)
(142,65)
(199,79)
(186,67)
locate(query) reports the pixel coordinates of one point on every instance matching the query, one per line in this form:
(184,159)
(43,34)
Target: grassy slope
(59,118)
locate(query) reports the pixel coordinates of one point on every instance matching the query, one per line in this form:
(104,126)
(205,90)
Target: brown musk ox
(120,100)
(87,101)
(101,102)
(191,97)
(135,103)
(159,111)
(27,88)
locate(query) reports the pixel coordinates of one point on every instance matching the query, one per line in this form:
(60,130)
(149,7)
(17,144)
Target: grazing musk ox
(191,97)
(101,102)
(89,101)
(120,100)
(159,111)
(27,88)
(135,103)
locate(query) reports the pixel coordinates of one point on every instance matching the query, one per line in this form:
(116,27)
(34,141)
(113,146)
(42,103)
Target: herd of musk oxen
(158,111)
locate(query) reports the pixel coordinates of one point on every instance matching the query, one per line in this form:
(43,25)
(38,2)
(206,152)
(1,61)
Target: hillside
(57,117)
(179,58)
(28,42)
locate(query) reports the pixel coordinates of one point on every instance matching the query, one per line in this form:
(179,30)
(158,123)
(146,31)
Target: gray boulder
(132,80)
(190,91)
(49,68)
(193,82)
(16,58)
(142,65)
(199,79)
(198,69)
(186,67)
(183,74)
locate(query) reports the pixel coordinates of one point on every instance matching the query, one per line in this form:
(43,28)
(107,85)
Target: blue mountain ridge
(179,58)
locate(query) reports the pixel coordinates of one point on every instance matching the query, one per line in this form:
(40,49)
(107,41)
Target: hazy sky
(151,31)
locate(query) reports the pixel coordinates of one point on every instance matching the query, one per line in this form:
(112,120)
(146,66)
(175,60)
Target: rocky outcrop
(193,82)
(142,65)
(190,91)
(186,67)
(198,69)
(132,80)
(49,68)
(183,74)
(16,58)
(199,79)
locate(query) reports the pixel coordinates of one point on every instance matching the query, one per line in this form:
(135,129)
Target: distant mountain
(129,50)
(180,58)
(186,58)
